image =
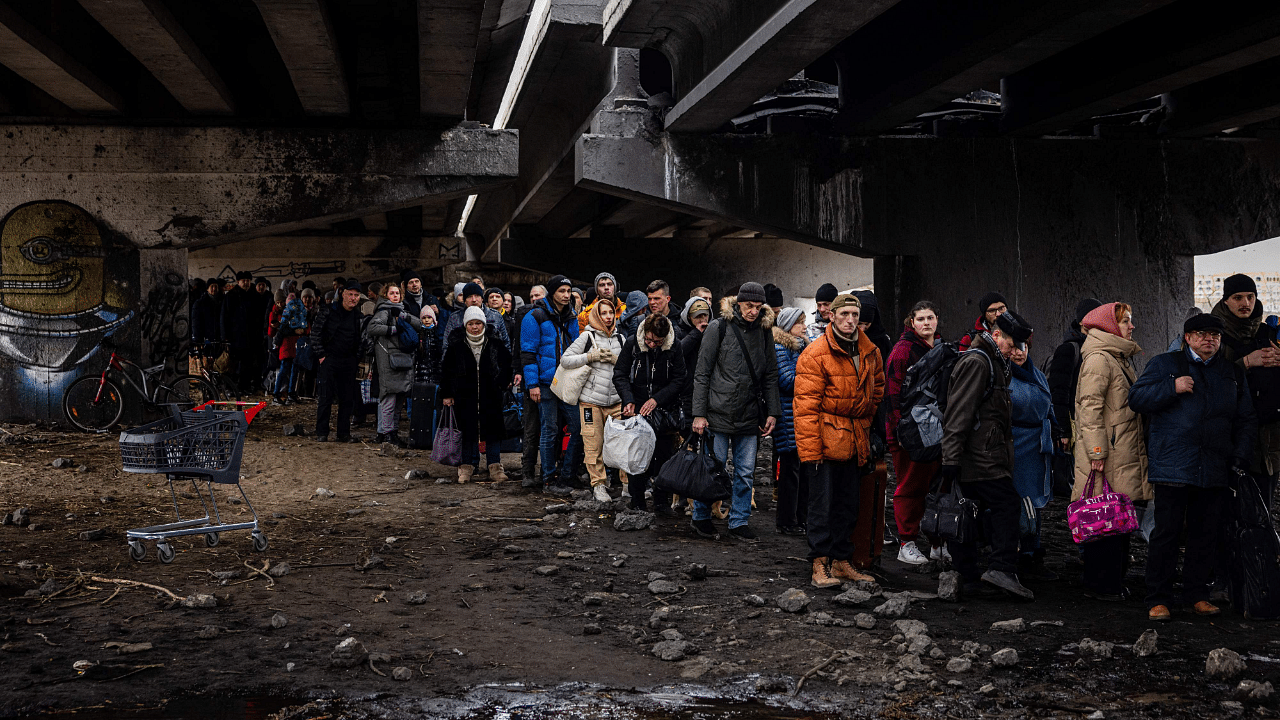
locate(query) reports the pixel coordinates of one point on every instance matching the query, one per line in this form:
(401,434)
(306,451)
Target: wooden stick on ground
(135,583)
(266,565)
(812,671)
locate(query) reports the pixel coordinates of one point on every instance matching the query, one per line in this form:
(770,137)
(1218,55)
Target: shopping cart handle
(251,410)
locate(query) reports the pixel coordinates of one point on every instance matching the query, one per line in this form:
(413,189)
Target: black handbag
(693,474)
(666,421)
(949,515)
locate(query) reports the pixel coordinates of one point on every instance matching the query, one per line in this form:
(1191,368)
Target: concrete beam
(40,61)
(774,48)
(150,33)
(305,40)
(557,87)
(195,187)
(929,52)
(1174,47)
(1235,99)
(447,36)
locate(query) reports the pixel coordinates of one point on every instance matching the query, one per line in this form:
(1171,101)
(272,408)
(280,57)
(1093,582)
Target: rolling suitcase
(868,532)
(422,418)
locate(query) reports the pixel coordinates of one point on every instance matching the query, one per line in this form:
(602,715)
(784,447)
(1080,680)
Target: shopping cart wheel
(211,539)
(259,541)
(137,550)
(165,552)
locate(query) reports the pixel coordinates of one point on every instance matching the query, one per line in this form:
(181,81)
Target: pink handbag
(1093,517)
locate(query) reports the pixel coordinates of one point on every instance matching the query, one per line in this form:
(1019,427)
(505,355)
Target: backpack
(407,335)
(366,340)
(924,400)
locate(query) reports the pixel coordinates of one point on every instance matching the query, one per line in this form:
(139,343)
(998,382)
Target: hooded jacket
(642,373)
(787,348)
(906,352)
(1196,437)
(477,386)
(544,336)
(1244,336)
(977,434)
(723,390)
(598,389)
(637,303)
(1107,427)
(384,328)
(836,399)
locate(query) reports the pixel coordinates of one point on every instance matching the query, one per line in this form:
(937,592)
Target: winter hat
(1238,283)
(244,275)
(789,316)
(308,292)
(471,289)
(1102,317)
(556,282)
(1205,321)
(1018,329)
(407,275)
(693,307)
(354,285)
(491,291)
(751,292)
(596,283)
(428,310)
(578,291)
(309,285)
(280,296)
(473,313)
(1084,307)
(845,301)
(990,299)
(773,295)
(827,293)
(262,281)
(457,289)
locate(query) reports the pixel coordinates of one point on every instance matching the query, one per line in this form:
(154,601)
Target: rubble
(1097,648)
(1146,644)
(896,607)
(673,650)
(793,600)
(630,520)
(1016,625)
(348,653)
(865,621)
(949,586)
(664,587)
(520,532)
(1005,658)
(200,600)
(1254,690)
(1224,664)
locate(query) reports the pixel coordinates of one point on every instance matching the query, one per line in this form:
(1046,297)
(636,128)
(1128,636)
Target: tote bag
(447,447)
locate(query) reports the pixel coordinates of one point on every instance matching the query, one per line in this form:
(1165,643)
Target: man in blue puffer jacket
(545,333)
(793,480)
(1201,427)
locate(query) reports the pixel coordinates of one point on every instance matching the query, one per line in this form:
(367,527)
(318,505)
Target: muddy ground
(561,624)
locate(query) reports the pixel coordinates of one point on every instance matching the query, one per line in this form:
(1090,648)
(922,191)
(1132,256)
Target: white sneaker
(648,494)
(911,555)
(940,552)
(626,492)
(602,494)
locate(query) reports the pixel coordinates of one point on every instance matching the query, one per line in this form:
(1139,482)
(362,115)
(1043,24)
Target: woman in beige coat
(1109,438)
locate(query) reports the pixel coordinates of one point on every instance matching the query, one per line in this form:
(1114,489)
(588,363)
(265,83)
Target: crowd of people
(827,390)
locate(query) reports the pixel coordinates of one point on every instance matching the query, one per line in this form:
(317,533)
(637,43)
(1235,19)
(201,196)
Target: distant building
(1209,290)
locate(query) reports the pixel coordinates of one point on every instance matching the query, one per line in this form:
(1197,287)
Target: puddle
(193,708)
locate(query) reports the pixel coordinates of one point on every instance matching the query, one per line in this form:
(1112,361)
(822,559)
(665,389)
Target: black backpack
(924,400)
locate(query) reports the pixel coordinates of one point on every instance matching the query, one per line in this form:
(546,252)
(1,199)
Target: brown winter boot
(821,577)
(464,473)
(843,570)
(496,473)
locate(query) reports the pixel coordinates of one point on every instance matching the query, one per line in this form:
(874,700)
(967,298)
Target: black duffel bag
(949,515)
(690,473)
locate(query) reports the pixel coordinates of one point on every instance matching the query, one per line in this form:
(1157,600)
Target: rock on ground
(402,673)
(959,665)
(278,571)
(897,607)
(1097,648)
(520,532)
(546,570)
(1224,664)
(348,653)
(853,596)
(1016,625)
(1005,658)
(417,598)
(793,600)
(93,534)
(1146,644)
(632,520)
(866,621)
(279,620)
(672,650)
(200,600)
(755,600)
(1254,690)
(910,628)
(664,587)
(949,586)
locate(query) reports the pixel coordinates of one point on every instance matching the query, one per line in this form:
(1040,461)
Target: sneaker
(1159,613)
(626,492)
(601,494)
(939,552)
(1206,608)
(1008,582)
(530,481)
(821,577)
(744,532)
(844,571)
(705,529)
(910,554)
(557,489)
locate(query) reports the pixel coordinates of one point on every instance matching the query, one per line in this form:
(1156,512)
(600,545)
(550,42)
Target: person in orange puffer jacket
(839,385)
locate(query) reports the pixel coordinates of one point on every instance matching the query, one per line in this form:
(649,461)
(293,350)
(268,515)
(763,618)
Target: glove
(1239,470)
(596,355)
(878,449)
(950,473)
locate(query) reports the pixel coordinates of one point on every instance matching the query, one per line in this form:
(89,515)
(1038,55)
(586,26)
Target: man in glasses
(1201,430)
(992,306)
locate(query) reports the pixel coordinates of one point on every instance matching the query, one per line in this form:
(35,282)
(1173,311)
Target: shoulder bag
(762,405)
(568,382)
(1096,516)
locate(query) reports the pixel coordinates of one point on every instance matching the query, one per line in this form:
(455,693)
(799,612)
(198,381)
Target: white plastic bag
(628,444)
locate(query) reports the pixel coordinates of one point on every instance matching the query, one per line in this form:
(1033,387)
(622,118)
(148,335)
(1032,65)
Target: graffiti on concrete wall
(164,320)
(296,270)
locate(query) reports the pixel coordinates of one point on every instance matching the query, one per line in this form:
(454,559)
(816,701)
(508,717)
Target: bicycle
(94,403)
(207,364)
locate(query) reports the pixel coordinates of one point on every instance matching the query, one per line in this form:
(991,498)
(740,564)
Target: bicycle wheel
(186,391)
(86,412)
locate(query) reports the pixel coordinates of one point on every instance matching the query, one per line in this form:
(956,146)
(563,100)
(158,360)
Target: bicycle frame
(121,366)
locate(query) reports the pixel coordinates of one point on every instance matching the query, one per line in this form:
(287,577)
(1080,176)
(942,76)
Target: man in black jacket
(335,340)
(206,316)
(239,310)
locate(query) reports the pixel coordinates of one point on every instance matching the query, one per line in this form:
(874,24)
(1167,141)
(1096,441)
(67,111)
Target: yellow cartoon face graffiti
(51,260)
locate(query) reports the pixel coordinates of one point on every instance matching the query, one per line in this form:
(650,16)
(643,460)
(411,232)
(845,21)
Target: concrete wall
(66,284)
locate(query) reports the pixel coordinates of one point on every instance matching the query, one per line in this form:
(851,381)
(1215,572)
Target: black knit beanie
(827,293)
(990,299)
(1238,283)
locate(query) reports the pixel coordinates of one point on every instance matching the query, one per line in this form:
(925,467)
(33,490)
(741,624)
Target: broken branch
(135,583)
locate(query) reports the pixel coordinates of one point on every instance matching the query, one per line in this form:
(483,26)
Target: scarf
(595,320)
(476,343)
(848,343)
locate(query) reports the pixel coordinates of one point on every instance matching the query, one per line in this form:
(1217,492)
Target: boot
(821,576)
(464,473)
(393,437)
(496,473)
(844,571)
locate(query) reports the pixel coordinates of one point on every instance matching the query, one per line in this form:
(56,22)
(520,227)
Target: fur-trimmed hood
(787,340)
(729,308)
(667,342)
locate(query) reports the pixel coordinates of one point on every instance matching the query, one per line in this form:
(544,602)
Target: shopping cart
(203,443)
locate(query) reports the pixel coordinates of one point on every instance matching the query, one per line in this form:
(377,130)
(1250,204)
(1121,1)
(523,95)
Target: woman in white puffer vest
(598,346)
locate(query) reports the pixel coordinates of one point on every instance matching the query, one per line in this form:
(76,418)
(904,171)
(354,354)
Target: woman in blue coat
(793,486)
(1033,423)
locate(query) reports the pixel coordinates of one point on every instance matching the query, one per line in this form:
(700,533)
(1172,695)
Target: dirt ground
(568,604)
